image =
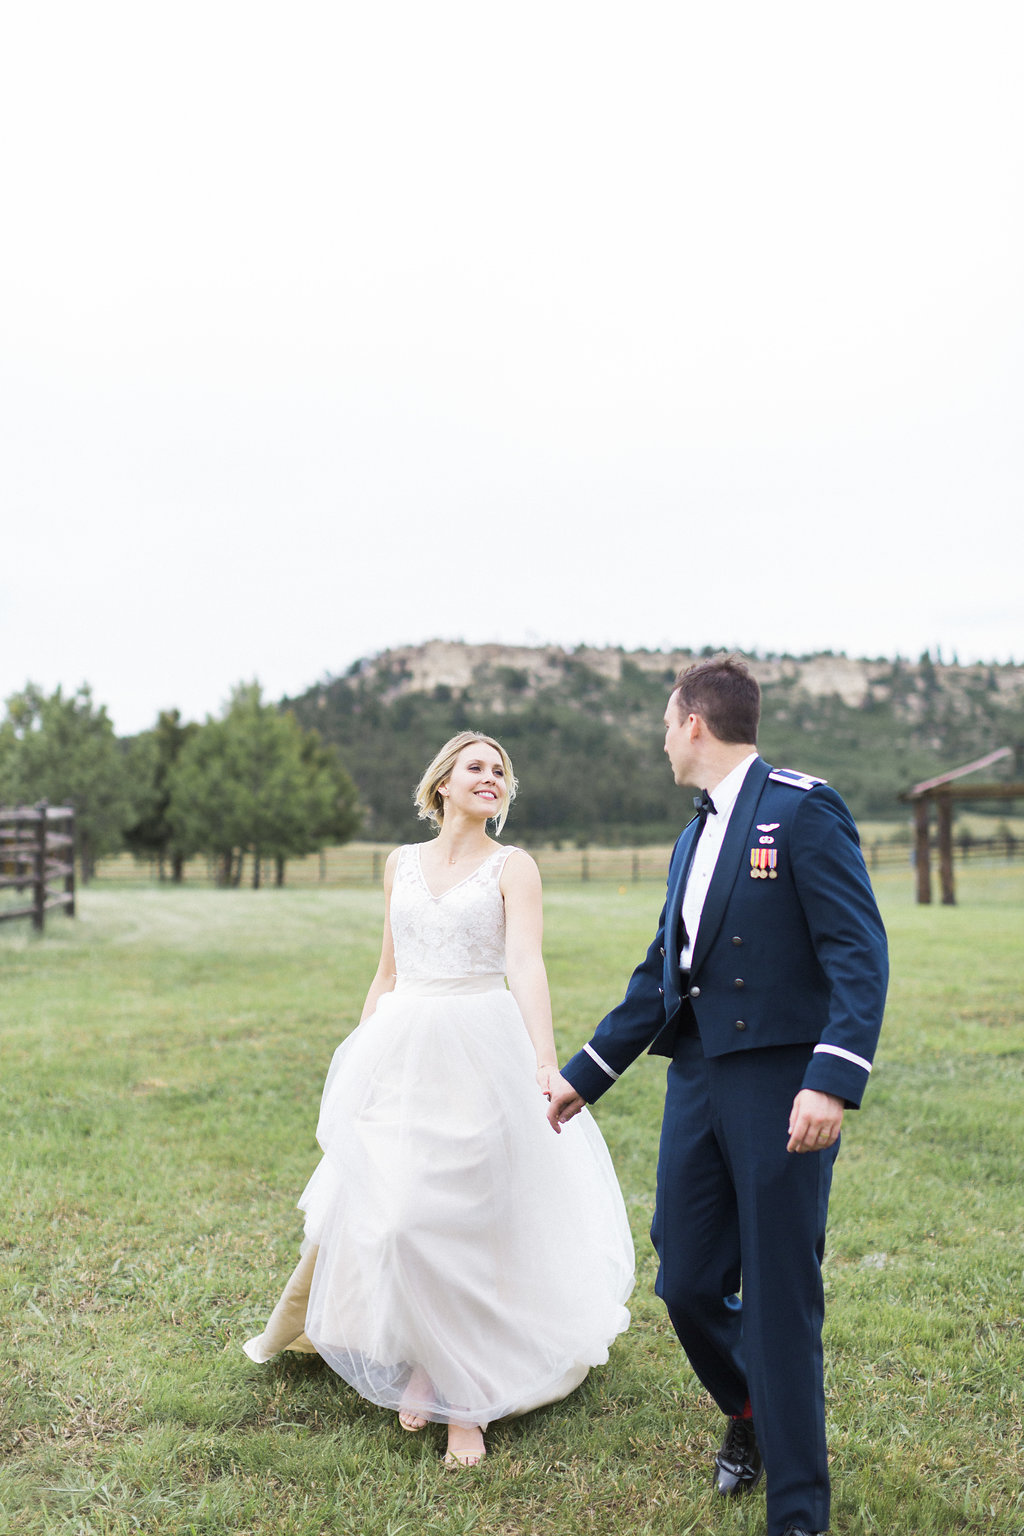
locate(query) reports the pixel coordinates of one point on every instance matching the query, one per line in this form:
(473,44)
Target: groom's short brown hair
(725,693)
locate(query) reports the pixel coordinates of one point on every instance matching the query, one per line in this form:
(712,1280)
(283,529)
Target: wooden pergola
(941,792)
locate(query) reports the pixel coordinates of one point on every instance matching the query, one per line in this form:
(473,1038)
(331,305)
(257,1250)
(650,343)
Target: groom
(765,986)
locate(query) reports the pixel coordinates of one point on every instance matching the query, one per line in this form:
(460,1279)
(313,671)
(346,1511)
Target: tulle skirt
(460,1259)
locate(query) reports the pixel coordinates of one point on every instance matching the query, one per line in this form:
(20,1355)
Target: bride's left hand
(552,1083)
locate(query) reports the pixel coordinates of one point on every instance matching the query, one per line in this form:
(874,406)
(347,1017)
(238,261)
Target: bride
(460,1264)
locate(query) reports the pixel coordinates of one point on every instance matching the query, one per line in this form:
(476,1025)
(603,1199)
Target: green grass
(162,1058)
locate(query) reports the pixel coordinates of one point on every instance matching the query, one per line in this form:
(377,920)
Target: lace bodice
(461,933)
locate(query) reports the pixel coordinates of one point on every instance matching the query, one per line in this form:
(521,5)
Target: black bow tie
(704,806)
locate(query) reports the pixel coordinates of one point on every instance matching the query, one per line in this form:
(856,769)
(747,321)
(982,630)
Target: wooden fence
(37,853)
(356,864)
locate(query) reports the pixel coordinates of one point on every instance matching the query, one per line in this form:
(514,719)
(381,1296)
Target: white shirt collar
(724,793)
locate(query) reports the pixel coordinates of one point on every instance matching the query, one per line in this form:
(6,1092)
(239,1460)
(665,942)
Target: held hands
(544,1074)
(556,1090)
(565,1101)
(548,1076)
(814,1121)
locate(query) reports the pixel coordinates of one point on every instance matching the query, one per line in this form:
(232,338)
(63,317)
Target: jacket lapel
(729,858)
(674,912)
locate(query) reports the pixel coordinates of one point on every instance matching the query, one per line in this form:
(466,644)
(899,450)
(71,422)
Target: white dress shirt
(706,854)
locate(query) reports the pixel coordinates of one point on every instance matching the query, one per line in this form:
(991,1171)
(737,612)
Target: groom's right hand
(565,1102)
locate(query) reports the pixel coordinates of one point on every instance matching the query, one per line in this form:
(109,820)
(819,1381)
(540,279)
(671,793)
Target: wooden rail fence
(362,864)
(37,853)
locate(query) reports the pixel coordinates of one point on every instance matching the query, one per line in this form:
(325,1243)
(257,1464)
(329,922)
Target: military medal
(764,863)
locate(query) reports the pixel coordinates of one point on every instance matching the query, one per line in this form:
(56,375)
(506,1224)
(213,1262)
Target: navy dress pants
(737,1213)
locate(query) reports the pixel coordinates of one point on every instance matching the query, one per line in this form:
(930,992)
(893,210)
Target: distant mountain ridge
(584,726)
(482,668)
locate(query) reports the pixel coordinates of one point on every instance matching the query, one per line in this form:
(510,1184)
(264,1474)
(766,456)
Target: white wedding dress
(461,1260)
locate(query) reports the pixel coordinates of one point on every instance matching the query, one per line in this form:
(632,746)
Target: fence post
(39,881)
(944,808)
(922,851)
(69,878)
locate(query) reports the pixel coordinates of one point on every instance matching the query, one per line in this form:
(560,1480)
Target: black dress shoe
(738,1464)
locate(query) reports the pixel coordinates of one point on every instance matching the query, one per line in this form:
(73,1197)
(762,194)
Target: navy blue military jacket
(790,948)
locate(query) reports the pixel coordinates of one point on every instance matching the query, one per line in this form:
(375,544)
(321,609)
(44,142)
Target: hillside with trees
(584,729)
(267,781)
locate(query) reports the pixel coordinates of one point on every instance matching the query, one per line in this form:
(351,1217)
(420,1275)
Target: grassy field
(162,1061)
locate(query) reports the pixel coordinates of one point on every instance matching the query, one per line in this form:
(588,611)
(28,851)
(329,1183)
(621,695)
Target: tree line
(253,783)
(265,782)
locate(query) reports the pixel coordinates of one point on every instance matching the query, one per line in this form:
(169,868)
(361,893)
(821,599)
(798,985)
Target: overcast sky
(331,327)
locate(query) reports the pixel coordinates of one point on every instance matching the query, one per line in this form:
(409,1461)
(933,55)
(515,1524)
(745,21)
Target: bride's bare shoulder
(519,870)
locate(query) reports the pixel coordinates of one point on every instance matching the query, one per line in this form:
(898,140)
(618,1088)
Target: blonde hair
(428,799)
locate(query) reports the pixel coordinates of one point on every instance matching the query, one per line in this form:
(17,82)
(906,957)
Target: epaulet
(795,780)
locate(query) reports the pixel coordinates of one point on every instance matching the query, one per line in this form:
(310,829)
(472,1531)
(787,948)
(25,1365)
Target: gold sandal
(472,1456)
(458,1459)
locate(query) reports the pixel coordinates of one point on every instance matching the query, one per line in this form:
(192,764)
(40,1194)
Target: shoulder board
(795,780)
